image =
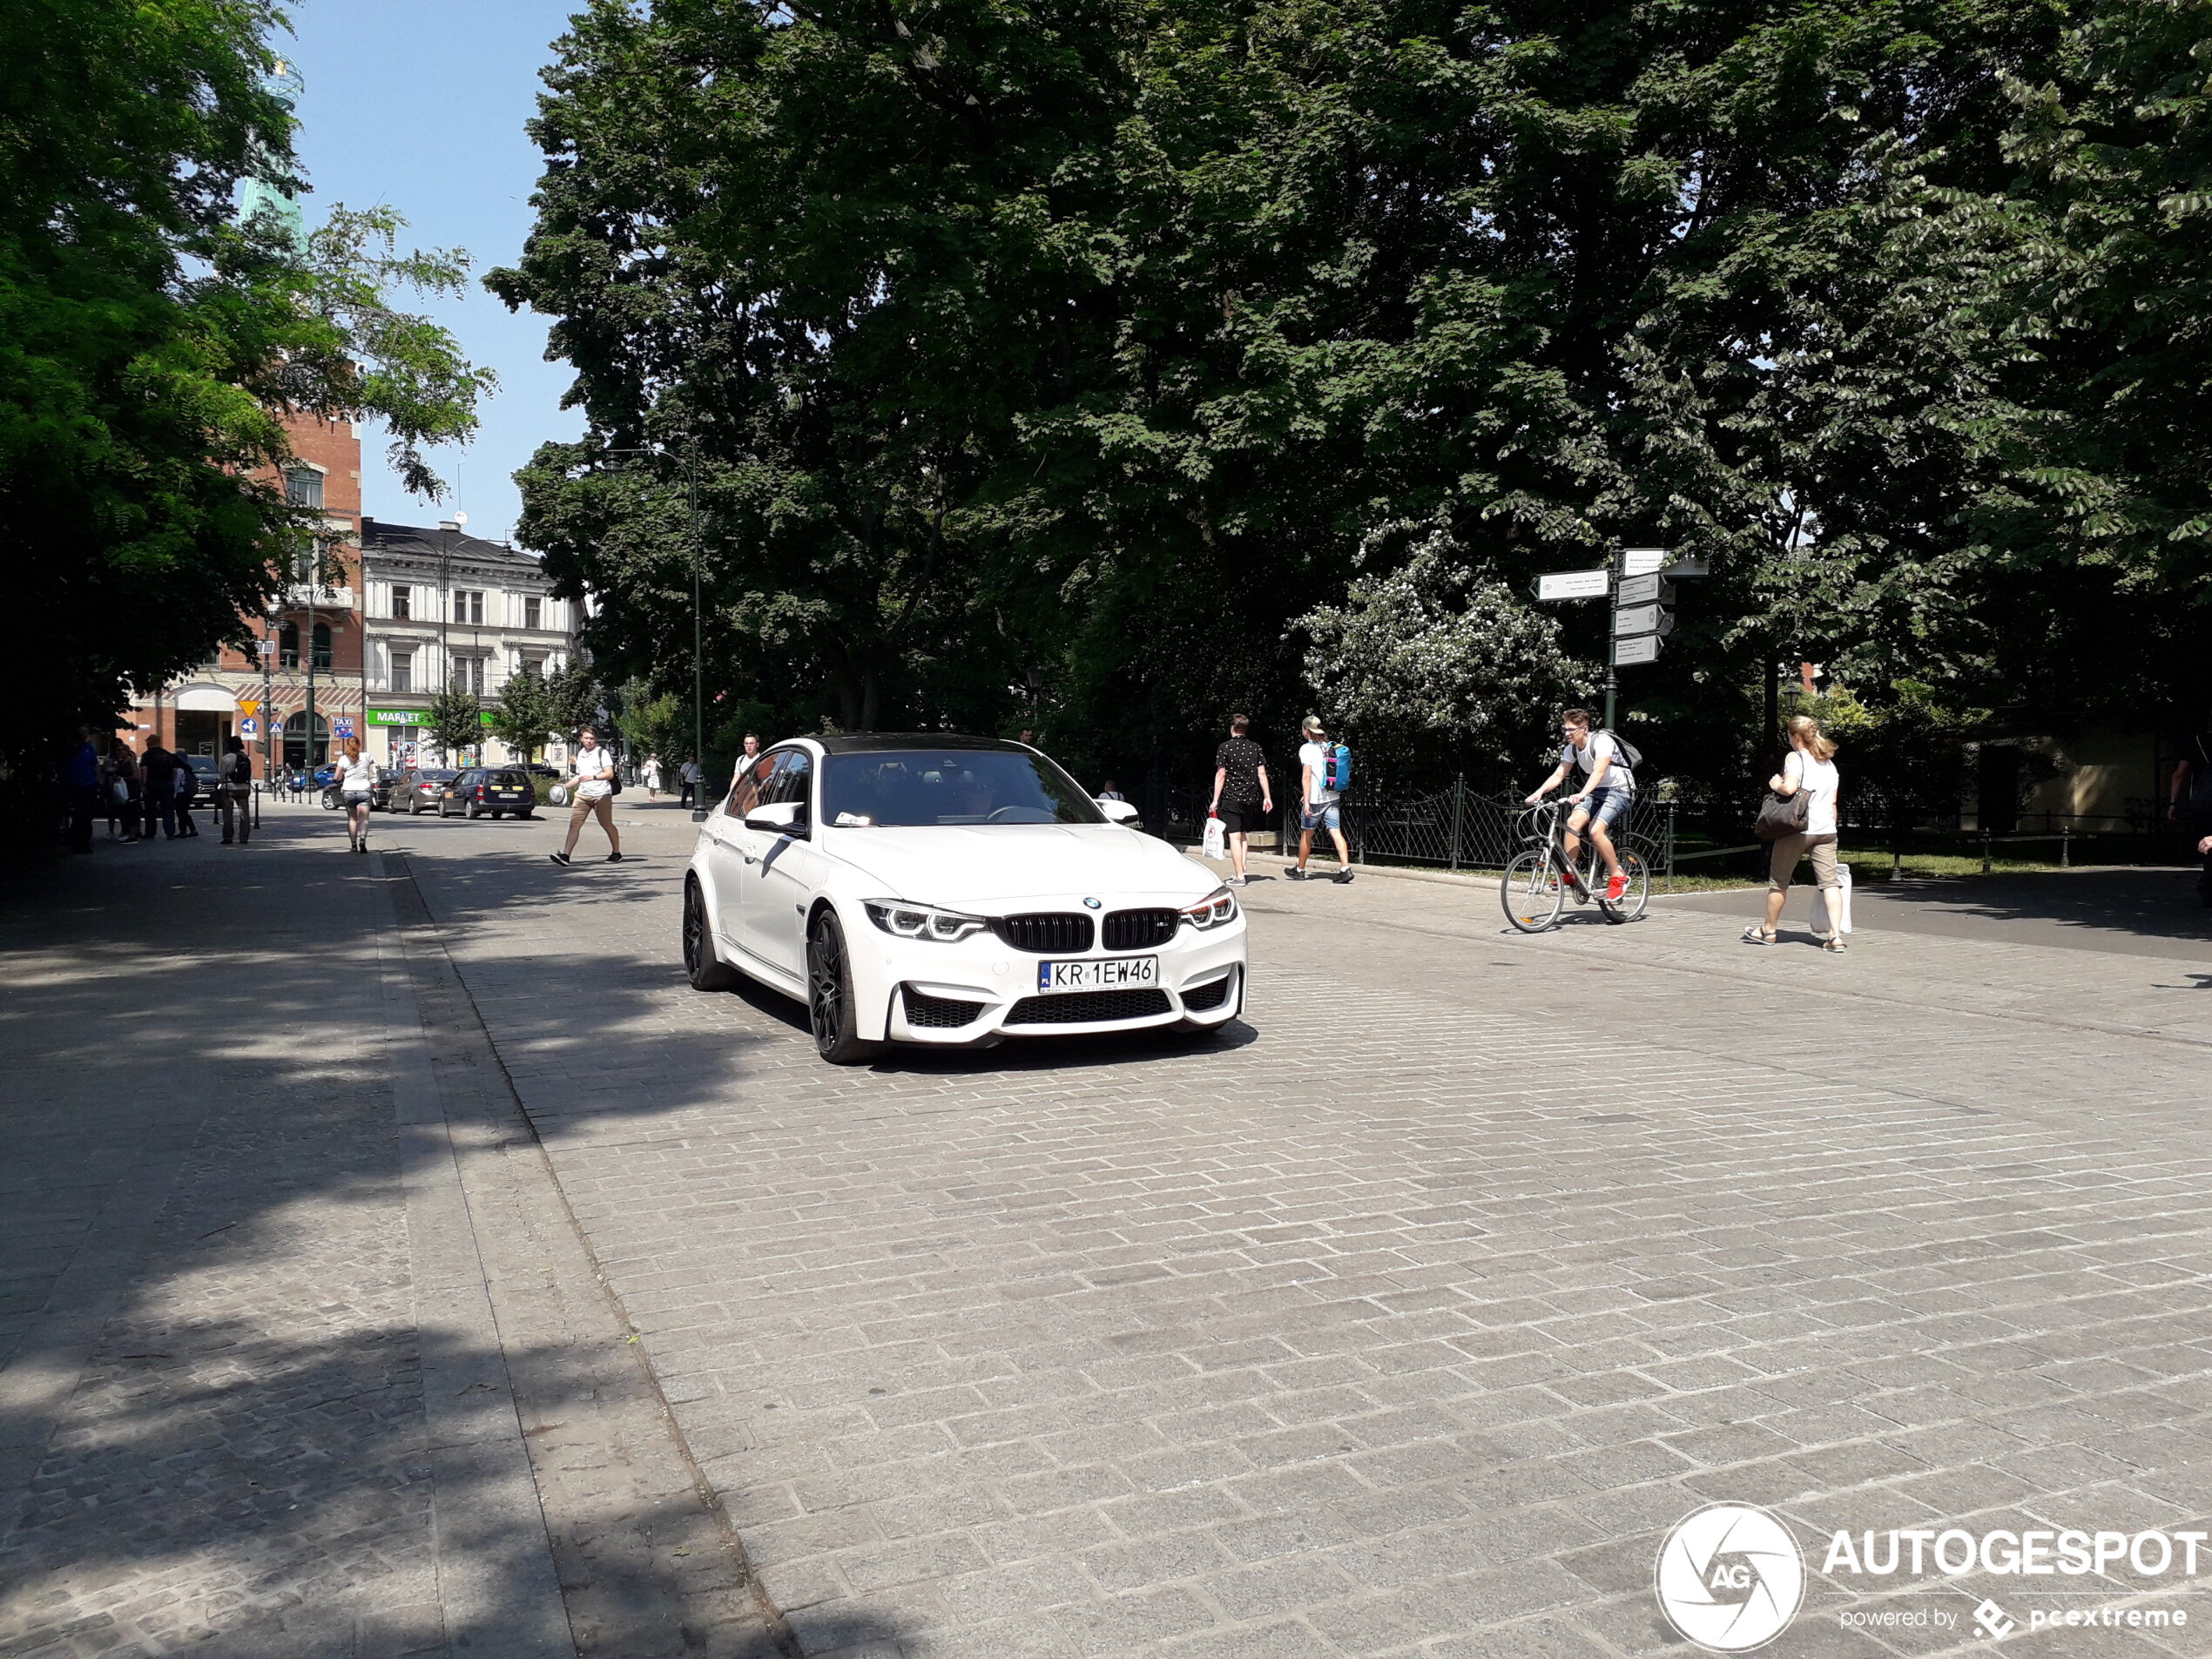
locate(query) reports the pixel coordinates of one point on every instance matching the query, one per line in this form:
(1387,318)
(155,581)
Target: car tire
(414,805)
(330,801)
(443,804)
(830,1012)
(472,810)
(702,966)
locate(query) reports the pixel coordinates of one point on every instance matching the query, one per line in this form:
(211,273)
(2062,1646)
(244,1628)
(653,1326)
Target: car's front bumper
(981,990)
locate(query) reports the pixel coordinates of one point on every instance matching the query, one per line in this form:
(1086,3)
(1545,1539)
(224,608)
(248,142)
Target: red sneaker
(1616,889)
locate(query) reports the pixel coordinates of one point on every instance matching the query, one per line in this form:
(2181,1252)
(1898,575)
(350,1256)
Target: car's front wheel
(706,971)
(829,996)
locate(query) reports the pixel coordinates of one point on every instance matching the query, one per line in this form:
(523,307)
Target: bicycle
(1539,879)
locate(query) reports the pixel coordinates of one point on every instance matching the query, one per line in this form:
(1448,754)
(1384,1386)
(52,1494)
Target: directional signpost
(1643,600)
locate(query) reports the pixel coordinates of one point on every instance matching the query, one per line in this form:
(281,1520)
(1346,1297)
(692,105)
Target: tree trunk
(871,700)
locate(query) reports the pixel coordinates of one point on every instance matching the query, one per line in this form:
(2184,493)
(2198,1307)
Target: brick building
(309,651)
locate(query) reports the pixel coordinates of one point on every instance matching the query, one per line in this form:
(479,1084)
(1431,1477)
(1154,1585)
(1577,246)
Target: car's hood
(993,868)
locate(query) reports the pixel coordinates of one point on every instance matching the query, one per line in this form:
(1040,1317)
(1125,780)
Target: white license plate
(1123,972)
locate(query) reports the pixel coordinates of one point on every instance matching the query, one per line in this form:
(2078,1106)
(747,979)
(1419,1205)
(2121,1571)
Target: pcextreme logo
(1729,1577)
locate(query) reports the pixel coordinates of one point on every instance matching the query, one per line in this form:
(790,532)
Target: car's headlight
(907,921)
(1215,908)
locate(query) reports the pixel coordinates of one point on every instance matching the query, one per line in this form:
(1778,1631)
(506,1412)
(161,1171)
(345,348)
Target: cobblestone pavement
(1407,1319)
(257,1203)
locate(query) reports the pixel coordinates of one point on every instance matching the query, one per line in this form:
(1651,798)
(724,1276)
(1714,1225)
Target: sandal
(1755,935)
(1834,943)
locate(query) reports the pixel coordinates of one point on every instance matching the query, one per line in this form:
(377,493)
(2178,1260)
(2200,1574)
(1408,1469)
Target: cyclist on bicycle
(1603,799)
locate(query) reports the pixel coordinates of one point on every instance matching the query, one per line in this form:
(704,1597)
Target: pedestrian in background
(1809,767)
(749,752)
(1242,798)
(592,790)
(234,792)
(356,782)
(187,788)
(2188,806)
(1317,808)
(1111,791)
(122,789)
(157,777)
(652,777)
(688,775)
(81,782)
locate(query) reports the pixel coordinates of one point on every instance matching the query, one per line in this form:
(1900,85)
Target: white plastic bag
(1215,844)
(1843,910)
(558,795)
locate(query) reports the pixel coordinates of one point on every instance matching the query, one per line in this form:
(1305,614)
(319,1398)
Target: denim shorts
(1313,817)
(1605,806)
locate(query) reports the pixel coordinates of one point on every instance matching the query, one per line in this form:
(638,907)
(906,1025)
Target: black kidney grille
(939,1013)
(1046,933)
(1088,1008)
(1207,997)
(1140,929)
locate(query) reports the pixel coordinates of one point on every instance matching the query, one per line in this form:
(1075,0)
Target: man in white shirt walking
(1317,808)
(592,786)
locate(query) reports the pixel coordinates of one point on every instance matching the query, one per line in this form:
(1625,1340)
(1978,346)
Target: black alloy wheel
(706,971)
(829,997)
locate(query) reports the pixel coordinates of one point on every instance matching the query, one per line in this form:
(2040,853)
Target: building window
(402,602)
(469,674)
(469,605)
(322,644)
(402,670)
(533,613)
(288,646)
(532,665)
(303,486)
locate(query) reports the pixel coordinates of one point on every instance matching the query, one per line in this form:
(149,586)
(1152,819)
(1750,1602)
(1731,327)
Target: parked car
(380,792)
(203,767)
(421,786)
(494,790)
(941,889)
(539,769)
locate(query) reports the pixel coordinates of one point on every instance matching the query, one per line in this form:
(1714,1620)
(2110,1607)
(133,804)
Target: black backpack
(1626,752)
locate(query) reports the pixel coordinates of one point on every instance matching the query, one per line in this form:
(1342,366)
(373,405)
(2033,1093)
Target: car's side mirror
(779,818)
(1119,811)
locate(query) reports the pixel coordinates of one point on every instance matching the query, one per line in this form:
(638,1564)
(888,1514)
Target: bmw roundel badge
(1091,904)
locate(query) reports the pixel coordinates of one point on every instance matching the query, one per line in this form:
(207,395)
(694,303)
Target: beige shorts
(602,806)
(1821,849)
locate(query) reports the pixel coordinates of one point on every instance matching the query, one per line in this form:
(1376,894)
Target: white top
(689,771)
(1315,757)
(1600,747)
(589,764)
(356,776)
(1823,780)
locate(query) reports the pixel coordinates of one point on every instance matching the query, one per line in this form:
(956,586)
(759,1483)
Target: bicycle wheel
(1630,904)
(1531,892)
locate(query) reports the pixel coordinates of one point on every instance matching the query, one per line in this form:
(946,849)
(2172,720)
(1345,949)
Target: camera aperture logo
(1729,1577)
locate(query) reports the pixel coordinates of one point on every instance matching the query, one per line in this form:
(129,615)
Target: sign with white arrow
(1574,585)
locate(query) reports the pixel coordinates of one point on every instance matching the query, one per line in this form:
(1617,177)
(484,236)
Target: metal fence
(1452,829)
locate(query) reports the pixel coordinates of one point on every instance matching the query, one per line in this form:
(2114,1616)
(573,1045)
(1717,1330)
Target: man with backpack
(1325,770)
(1608,765)
(234,781)
(594,783)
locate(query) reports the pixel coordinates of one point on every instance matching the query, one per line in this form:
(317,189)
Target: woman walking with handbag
(1799,818)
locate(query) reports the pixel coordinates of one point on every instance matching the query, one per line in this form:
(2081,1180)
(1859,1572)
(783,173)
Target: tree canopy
(152,345)
(1067,363)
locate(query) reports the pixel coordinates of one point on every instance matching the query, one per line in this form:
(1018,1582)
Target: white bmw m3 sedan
(952,891)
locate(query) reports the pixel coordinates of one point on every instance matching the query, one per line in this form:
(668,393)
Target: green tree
(523,715)
(654,725)
(574,696)
(150,346)
(456,721)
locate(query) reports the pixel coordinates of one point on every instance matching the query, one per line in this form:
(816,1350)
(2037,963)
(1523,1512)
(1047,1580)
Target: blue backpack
(1336,769)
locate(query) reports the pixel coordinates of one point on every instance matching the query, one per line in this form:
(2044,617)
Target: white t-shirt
(356,777)
(1315,756)
(1600,747)
(1823,780)
(589,764)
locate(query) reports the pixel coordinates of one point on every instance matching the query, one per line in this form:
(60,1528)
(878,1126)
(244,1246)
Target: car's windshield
(909,787)
(428,777)
(512,779)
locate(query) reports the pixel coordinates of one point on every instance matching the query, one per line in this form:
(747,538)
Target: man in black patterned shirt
(1242,798)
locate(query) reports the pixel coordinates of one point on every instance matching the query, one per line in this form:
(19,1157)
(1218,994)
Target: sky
(420,103)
